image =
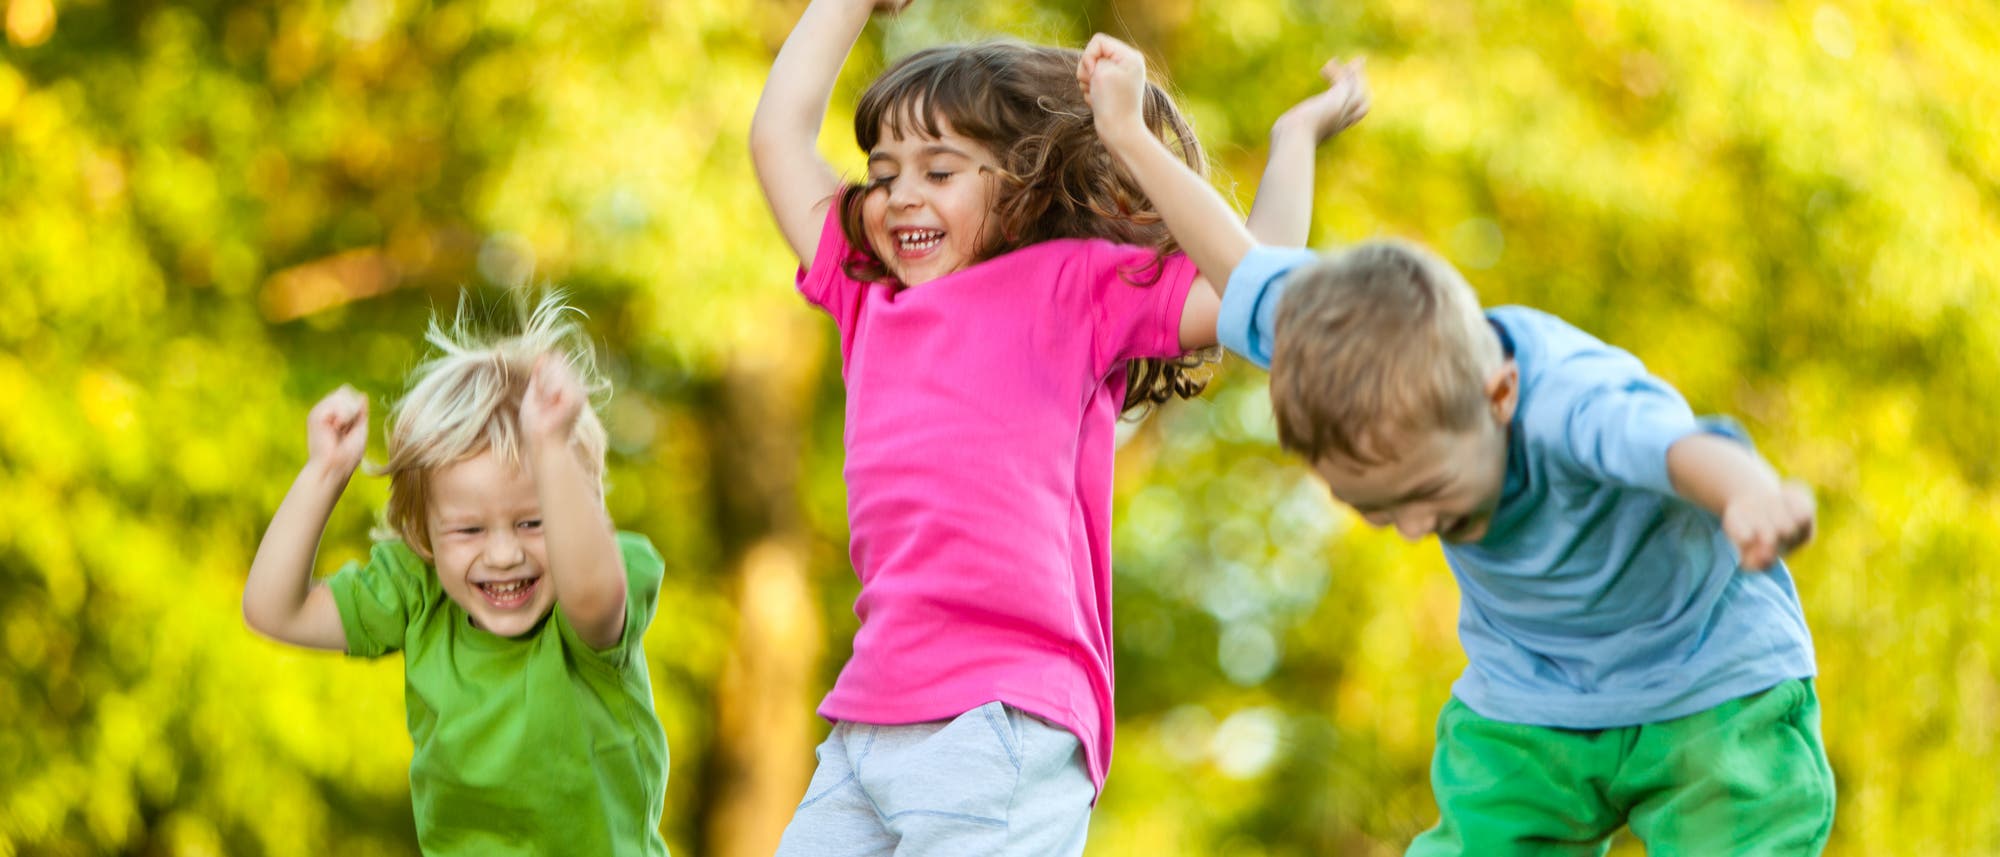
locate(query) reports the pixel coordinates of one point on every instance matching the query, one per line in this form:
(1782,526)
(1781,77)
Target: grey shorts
(994,780)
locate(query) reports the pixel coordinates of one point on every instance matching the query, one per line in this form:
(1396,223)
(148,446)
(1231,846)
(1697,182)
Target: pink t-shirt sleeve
(1136,314)
(826,283)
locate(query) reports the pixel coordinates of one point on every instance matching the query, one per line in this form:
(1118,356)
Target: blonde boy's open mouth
(509,594)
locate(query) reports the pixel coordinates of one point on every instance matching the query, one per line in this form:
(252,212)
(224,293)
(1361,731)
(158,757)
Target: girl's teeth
(924,240)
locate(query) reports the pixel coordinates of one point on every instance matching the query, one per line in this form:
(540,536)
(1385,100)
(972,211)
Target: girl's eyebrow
(932,150)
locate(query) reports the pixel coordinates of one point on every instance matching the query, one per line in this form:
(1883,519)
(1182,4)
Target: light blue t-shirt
(1597,598)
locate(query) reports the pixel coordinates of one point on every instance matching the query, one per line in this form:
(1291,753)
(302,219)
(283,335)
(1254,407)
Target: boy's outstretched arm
(1281,215)
(582,549)
(1113,77)
(784,132)
(1764,517)
(280,598)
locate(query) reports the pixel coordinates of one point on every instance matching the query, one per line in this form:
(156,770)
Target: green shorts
(1747,777)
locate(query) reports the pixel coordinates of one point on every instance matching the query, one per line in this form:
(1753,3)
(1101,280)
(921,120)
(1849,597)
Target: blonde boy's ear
(1503,392)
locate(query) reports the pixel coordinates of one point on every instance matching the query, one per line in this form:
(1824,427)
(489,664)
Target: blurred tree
(211,212)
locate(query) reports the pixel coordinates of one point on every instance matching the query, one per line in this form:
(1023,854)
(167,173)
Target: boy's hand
(1767,525)
(1113,77)
(554,399)
(1330,112)
(337,430)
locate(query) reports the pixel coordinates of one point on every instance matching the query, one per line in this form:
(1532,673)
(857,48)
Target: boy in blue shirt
(1637,654)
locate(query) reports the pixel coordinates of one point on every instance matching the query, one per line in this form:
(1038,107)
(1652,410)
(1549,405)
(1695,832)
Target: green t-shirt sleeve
(377,600)
(643,570)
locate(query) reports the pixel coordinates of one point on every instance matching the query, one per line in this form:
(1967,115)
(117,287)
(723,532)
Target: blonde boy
(1637,653)
(518,609)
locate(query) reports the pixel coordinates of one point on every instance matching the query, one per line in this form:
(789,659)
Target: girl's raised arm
(798,183)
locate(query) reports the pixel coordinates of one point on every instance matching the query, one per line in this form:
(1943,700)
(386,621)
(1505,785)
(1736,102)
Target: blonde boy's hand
(1113,77)
(337,430)
(1769,524)
(1334,110)
(554,399)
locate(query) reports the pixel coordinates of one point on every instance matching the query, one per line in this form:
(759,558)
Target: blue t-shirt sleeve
(1619,430)
(1249,312)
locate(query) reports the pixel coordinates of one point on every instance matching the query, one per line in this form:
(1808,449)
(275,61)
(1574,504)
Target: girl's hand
(554,399)
(1113,77)
(337,430)
(1767,525)
(1330,112)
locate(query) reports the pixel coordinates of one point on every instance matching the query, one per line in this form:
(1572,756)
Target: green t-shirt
(535,744)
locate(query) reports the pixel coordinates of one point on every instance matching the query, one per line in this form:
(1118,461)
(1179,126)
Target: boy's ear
(1503,392)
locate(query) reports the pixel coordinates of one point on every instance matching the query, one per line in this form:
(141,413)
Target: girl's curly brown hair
(1055,178)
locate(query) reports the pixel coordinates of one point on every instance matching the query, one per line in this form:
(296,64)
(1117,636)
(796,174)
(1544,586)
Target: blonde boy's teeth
(510,587)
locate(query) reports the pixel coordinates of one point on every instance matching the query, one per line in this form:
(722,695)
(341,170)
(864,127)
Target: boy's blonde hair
(466,400)
(1374,345)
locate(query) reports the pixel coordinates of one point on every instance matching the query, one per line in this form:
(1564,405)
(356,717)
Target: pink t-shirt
(980,414)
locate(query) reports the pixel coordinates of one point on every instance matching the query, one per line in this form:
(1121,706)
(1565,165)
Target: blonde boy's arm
(798,183)
(1765,518)
(584,563)
(280,598)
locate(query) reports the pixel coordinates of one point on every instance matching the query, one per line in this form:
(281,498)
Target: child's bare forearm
(584,563)
(1762,517)
(1711,471)
(1204,225)
(280,588)
(793,103)
(784,131)
(1281,215)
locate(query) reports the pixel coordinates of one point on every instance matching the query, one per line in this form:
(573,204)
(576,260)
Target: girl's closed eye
(940,176)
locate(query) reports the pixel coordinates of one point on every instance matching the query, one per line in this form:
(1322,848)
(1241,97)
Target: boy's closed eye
(1385,508)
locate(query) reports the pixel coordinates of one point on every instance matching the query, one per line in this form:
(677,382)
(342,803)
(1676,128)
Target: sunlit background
(211,213)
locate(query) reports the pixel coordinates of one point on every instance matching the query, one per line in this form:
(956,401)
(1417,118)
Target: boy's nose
(1414,526)
(504,550)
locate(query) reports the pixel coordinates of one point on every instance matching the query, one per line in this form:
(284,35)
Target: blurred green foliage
(212,212)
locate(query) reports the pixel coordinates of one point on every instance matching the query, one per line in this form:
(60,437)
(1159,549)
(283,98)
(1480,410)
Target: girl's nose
(903,194)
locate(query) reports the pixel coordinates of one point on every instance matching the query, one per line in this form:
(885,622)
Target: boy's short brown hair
(1373,345)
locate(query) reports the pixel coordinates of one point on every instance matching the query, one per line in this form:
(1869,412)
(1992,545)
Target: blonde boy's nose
(504,549)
